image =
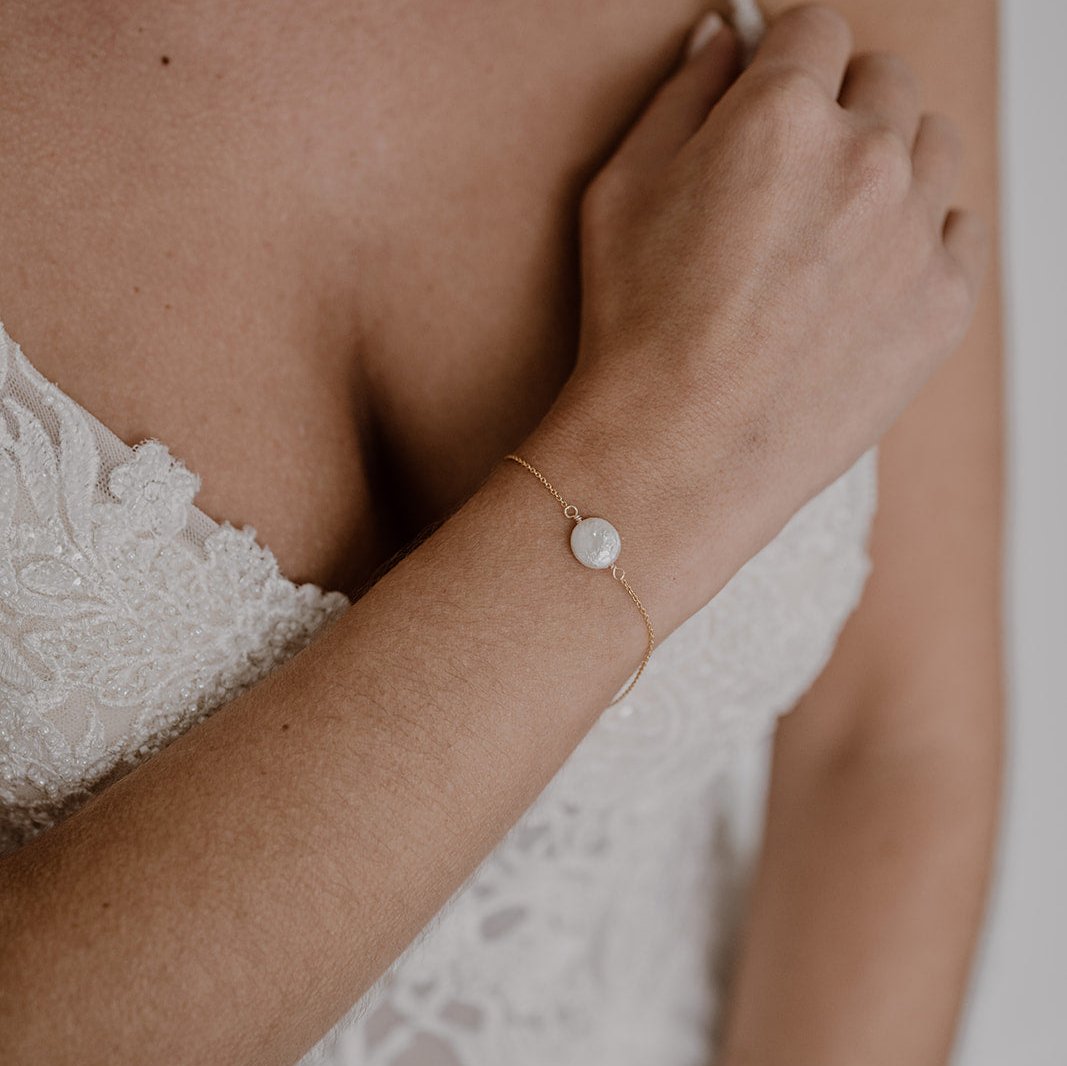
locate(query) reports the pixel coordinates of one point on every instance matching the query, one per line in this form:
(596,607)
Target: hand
(771,270)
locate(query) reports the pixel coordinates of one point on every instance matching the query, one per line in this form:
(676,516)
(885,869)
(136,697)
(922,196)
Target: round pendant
(596,543)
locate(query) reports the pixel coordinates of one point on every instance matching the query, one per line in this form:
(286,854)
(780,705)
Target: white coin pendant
(596,543)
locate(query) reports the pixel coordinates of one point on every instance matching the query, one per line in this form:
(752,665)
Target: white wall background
(1017,1015)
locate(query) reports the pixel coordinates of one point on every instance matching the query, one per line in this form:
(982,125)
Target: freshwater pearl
(596,543)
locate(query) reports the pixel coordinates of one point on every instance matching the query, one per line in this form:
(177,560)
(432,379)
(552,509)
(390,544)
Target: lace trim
(126,613)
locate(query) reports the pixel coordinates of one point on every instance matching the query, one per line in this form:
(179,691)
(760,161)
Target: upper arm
(918,664)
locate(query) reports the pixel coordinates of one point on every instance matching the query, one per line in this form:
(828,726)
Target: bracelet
(596,543)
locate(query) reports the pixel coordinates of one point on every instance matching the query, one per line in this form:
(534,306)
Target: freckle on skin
(285,726)
(137,288)
(167,307)
(164,60)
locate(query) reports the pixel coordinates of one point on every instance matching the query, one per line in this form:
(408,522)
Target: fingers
(967,242)
(936,163)
(936,160)
(880,87)
(682,103)
(811,39)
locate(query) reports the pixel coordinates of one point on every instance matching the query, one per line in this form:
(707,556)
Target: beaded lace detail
(126,614)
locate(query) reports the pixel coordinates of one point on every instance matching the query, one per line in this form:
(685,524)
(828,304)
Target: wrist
(678,545)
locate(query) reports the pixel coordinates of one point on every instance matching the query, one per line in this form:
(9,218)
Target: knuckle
(881,162)
(788,93)
(819,20)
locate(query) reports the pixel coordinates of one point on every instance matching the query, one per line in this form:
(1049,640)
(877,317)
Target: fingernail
(703,32)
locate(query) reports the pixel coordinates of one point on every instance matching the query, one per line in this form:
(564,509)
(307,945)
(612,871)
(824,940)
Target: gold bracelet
(596,543)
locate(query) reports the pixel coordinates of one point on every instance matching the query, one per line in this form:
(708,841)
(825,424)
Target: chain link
(570,511)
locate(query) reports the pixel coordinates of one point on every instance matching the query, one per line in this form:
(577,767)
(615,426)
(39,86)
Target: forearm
(281,854)
(867,902)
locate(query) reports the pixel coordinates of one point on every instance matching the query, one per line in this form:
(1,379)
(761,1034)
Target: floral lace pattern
(124,616)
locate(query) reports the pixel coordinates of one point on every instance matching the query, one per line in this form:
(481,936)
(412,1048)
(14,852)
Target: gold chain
(570,511)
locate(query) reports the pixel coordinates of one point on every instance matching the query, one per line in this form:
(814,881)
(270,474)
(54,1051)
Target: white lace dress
(592,934)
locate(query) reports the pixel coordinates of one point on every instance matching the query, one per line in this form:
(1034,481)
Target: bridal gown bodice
(590,935)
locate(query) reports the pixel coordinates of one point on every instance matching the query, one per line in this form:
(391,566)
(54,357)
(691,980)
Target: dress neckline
(103,434)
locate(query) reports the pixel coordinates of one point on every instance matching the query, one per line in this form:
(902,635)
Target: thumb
(711,62)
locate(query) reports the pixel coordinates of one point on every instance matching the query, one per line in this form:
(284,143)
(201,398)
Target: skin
(886,779)
(269,303)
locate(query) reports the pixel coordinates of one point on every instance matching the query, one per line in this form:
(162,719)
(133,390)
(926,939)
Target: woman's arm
(227,900)
(886,778)
(235,894)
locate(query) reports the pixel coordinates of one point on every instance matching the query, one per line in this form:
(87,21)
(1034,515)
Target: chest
(330,260)
(339,293)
